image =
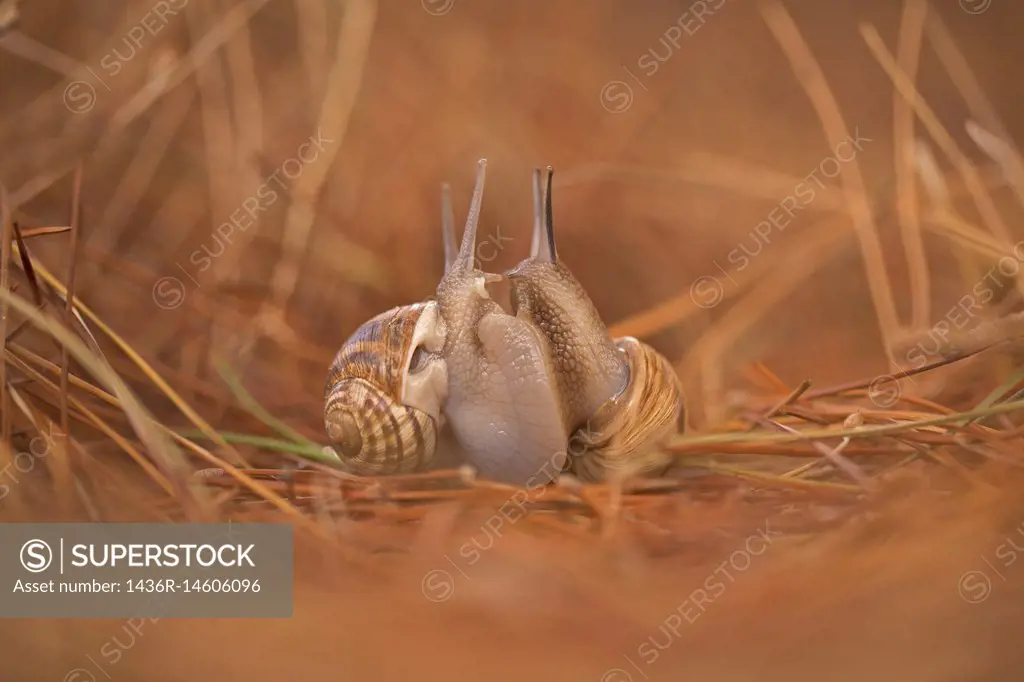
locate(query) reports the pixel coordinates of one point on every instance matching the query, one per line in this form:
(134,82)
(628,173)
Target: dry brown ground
(648,200)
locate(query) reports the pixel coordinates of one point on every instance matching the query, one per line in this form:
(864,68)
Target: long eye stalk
(542,246)
(448,227)
(466,252)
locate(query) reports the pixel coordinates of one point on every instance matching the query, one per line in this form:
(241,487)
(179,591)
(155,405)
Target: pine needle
(253,407)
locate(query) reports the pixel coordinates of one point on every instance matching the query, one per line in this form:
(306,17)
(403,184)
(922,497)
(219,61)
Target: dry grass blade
(161,449)
(683,443)
(26,265)
(907,89)
(834,455)
(150,373)
(818,91)
(163,481)
(152,150)
(202,50)
(44,231)
(1003,154)
(6,230)
(314,43)
(821,244)
(92,418)
(314,452)
(9,15)
(911,36)
(981,108)
(343,84)
(782,481)
(812,255)
(57,459)
(250,403)
(76,228)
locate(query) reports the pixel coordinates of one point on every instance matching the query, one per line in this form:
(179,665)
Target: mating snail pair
(515,388)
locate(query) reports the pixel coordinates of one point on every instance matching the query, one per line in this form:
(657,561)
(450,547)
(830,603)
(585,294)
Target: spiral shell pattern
(624,436)
(373,431)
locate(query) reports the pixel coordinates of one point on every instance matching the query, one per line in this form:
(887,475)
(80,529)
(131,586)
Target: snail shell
(384,392)
(624,436)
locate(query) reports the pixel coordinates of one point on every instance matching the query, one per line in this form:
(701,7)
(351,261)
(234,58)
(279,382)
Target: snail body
(619,397)
(587,367)
(501,400)
(384,392)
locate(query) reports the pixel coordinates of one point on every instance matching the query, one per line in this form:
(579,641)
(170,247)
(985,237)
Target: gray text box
(145,570)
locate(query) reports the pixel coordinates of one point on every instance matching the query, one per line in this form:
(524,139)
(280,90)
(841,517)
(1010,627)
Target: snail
(515,388)
(501,401)
(384,392)
(619,398)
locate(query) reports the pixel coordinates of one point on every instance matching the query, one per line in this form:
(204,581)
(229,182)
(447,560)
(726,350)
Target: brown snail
(619,398)
(385,390)
(515,388)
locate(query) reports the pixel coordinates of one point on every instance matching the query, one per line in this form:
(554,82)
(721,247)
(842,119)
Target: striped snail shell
(384,392)
(624,436)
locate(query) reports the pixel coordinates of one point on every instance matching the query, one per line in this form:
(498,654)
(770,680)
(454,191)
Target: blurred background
(676,131)
(259,178)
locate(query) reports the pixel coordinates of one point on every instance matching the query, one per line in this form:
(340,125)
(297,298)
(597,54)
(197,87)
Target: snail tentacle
(451,253)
